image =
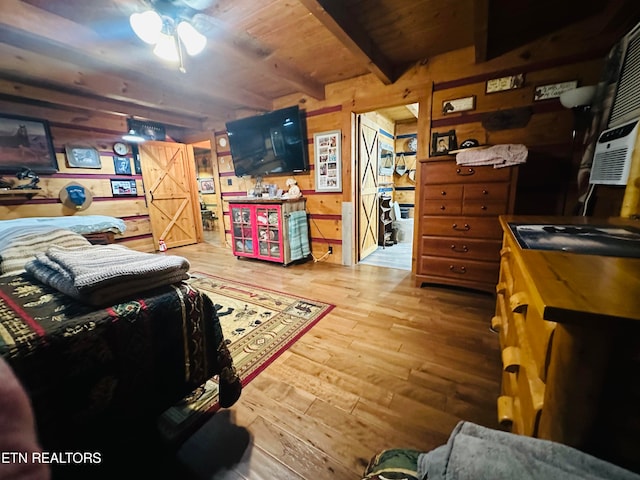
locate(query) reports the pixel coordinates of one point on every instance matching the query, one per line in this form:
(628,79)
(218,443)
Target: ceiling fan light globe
(167,48)
(193,41)
(147,26)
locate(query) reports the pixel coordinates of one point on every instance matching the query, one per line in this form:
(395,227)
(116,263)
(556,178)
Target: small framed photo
(124,188)
(459,105)
(505,83)
(207,185)
(443,142)
(82,157)
(553,90)
(136,164)
(122,165)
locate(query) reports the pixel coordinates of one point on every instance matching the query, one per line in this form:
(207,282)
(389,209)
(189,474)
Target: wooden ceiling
(72,55)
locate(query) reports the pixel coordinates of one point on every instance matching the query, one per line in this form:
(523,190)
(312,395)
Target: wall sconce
(579,100)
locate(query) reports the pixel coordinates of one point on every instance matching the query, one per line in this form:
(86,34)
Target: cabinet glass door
(242,233)
(268,223)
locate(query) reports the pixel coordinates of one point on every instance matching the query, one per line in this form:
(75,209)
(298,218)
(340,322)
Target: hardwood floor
(391,366)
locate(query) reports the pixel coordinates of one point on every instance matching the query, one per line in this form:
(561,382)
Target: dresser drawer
(483,208)
(442,207)
(469,248)
(449,172)
(448,192)
(471,227)
(487,192)
(463,269)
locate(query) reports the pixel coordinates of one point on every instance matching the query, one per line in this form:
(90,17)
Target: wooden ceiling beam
(47,33)
(334,17)
(69,78)
(27,92)
(244,47)
(480,29)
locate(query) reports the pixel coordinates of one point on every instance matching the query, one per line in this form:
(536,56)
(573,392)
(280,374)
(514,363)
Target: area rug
(258,324)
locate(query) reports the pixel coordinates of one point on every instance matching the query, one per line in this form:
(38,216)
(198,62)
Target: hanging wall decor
(505,83)
(328,161)
(79,156)
(26,142)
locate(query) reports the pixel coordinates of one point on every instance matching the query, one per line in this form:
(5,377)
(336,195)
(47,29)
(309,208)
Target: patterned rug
(258,325)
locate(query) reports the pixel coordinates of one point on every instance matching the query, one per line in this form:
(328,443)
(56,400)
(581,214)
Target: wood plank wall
(324,209)
(405,187)
(547,182)
(133,210)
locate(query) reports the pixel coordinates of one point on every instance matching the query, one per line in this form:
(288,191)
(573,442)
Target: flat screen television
(270,144)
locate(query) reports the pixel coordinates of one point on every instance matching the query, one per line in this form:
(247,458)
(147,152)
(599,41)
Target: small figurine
(294,189)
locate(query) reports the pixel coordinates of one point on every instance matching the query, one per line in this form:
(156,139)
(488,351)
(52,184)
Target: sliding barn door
(171,192)
(368,195)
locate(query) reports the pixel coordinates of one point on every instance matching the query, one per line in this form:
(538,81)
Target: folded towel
(104,274)
(298,235)
(499,156)
(475,452)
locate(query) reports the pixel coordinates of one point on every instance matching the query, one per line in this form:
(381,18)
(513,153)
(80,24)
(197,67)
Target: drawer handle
(505,411)
(442,207)
(443,193)
(518,302)
(496,324)
(483,207)
(464,249)
(511,359)
(460,270)
(465,228)
(470,171)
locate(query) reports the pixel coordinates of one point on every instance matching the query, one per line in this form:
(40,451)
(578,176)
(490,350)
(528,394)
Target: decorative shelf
(19,192)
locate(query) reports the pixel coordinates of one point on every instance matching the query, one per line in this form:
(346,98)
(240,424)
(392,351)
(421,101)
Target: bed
(84,364)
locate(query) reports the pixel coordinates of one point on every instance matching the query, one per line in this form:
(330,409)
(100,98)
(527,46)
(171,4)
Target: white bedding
(78,223)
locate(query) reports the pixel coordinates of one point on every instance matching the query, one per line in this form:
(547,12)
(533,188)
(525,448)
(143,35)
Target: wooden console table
(569,327)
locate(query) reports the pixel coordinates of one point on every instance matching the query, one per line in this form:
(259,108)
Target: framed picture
(443,143)
(328,161)
(505,83)
(122,165)
(124,188)
(207,185)
(136,161)
(459,105)
(553,90)
(26,142)
(83,157)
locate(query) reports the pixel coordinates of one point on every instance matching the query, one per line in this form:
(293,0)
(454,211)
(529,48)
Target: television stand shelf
(260,227)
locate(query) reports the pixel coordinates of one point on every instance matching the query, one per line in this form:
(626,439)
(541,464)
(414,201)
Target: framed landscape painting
(26,142)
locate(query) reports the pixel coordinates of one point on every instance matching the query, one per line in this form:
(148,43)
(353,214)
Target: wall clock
(120,148)
(412,144)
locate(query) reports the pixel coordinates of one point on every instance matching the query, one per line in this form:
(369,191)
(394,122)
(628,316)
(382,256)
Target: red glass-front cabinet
(259,230)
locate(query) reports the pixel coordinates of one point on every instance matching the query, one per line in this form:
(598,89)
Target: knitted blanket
(18,246)
(298,235)
(475,452)
(105,274)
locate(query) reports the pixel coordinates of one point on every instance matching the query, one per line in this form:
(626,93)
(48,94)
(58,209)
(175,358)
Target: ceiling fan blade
(213,28)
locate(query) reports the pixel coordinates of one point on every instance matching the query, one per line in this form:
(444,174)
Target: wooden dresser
(569,329)
(459,234)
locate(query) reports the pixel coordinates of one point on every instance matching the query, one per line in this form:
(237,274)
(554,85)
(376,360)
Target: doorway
(386,202)
(207,188)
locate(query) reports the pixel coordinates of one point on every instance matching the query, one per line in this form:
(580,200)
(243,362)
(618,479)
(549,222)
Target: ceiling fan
(169,26)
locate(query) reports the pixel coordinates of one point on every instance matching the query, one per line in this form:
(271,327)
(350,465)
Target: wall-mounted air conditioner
(613,152)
